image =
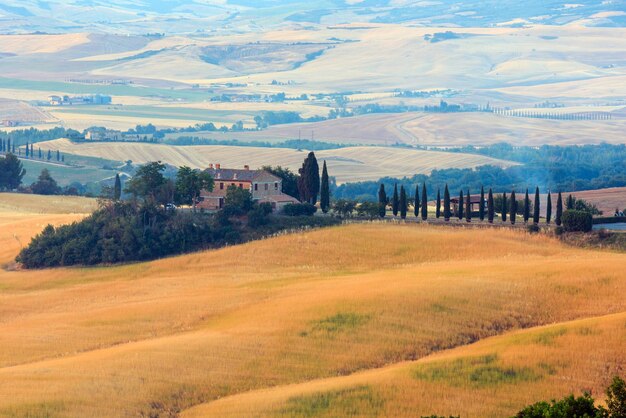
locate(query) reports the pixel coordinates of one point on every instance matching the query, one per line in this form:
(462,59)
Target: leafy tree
(468,207)
(395,201)
(11,172)
(536,208)
(344,207)
(403,203)
(147,181)
(290,179)
(446,204)
(438,205)
(45,184)
(549,208)
(117,188)
(490,207)
(368,210)
(460,205)
(616,398)
(309,181)
(559,210)
(190,183)
(238,201)
(424,202)
(481,205)
(526,207)
(416,203)
(513,208)
(568,407)
(382,201)
(503,209)
(325,190)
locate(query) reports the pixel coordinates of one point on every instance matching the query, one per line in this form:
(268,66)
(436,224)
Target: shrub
(533,229)
(299,209)
(577,221)
(558,231)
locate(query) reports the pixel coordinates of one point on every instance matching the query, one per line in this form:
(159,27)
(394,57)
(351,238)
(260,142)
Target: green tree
(190,183)
(570,202)
(117,188)
(147,181)
(526,207)
(325,190)
(382,201)
(27,150)
(424,202)
(549,208)
(513,208)
(446,204)
(416,202)
(403,203)
(503,209)
(58,156)
(481,205)
(536,208)
(11,172)
(616,398)
(238,201)
(438,205)
(559,210)
(395,201)
(468,207)
(49,155)
(309,181)
(45,184)
(490,208)
(460,205)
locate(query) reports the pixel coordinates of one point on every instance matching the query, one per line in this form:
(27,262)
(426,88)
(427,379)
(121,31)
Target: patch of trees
(298,144)
(11,172)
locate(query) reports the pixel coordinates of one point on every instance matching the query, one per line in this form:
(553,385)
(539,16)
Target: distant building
(264,186)
(97,99)
(102,134)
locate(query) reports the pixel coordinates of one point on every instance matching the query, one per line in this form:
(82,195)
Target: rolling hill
(373,318)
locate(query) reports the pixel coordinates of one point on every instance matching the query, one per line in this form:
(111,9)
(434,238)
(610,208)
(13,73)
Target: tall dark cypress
(536,208)
(49,155)
(8,146)
(40,157)
(32,151)
(468,207)
(526,207)
(504,207)
(549,209)
(382,201)
(481,205)
(325,190)
(446,204)
(309,181)
(513,208)
(117,188)
(416,203)
(460,205)
(403,203)
(438,204)
(395,201)
(570,202)
(58,155)
(559,210)
(27,150)
(491,210)
(424,202)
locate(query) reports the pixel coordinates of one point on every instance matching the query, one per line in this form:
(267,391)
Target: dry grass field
(268,327)
(346,164)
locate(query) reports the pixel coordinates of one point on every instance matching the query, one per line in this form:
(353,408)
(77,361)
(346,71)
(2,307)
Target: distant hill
(118,16)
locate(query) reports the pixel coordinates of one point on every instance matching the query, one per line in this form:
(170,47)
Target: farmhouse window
(221,186)
(256,186)
(241,185)
(266,186)
(276,186)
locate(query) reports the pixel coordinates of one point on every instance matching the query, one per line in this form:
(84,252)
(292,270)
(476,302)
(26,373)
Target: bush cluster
(577,221)
(299,209)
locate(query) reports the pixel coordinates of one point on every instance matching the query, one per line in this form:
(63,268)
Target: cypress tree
(2,145)
(559,210)
(403,203)
(504,207)
(13,148)
(438,204)
(117,189)
(513,208)
(536,211)
(424,202)
(382,201)
(549,209)
(309,181)
(570,202)
(446,204)
(468,207)
(490,209)
(395,200)
(460,205)
(8,146)
(526,207)
(40,157)
(416,206)
(325,190)
(49,155)
(58,155)
(32,151)
(27,150)
(481,205)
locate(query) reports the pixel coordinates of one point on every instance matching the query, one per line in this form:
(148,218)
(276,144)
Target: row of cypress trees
(486,207)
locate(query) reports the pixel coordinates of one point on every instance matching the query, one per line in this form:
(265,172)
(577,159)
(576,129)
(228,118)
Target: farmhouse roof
(247,175)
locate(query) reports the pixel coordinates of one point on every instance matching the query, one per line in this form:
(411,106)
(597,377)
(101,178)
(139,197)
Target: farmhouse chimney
(211,166)
(218,166)
(246,167)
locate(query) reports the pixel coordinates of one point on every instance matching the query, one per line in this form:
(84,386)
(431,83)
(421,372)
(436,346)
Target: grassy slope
(171,334)
(346,164)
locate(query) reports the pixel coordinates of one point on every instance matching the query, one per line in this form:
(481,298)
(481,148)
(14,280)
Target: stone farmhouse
(264,186)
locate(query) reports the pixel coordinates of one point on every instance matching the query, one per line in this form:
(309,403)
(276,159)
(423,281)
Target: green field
(64,175)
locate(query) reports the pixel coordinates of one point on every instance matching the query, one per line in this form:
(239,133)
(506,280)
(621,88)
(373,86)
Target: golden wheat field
(345,164)
(362,320)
